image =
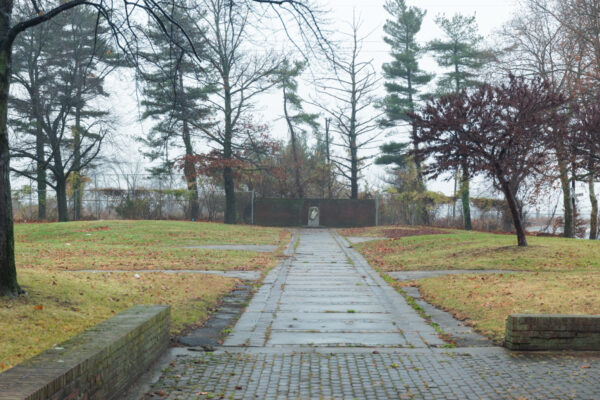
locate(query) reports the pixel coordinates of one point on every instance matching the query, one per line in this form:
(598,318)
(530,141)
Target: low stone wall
(552,332)
(100,363)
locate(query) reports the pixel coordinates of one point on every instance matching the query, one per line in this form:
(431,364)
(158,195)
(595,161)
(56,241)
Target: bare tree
(587,145)
(119,16)
(242,77)
(538,44)
(352,92)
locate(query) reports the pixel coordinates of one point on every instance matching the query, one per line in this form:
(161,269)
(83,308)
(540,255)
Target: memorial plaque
(313,217)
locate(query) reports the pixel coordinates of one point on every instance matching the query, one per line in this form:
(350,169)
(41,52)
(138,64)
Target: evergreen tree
(26,73)
(296,118)
(393,154)
(461,54)
(61,68)
(175,98)
(404,79)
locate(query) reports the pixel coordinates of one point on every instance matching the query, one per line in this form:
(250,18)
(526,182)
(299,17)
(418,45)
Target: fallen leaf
(39,307)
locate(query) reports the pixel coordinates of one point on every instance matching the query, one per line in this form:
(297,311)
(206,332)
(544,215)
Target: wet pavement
(327,295)
(325,325)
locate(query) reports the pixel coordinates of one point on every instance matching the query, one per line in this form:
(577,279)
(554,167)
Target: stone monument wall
(333,213)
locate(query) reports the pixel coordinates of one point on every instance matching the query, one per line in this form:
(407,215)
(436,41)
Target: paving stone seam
(257,336)
(389,296)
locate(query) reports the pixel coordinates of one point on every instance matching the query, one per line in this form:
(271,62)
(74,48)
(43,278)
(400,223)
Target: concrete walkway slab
(326,280)
(298,340)
(363,239)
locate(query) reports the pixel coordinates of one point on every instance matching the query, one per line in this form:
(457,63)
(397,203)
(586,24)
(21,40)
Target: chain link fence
(140,196)
(146,199)
(486,214)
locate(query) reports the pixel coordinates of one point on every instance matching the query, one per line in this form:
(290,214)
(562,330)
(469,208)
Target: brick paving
(325,325)
(400,374)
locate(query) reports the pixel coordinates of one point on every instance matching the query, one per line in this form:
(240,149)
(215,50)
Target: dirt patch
(400,233)
(355,232)
(95,229)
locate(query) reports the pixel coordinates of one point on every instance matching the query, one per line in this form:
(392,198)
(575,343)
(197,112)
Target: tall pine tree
(404,78)
(296,118)
(460,52)
(176,98)
(61,67)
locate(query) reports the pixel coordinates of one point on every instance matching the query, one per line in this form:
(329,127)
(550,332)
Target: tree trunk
(514,211)
(352,133)
(594,213)
(228,180)
(76,181)
(61,199)
(411,108)
(354,169)
(230,217)
(327,123)
(8,270)
(454,197)
(40,173)
(465,197)
(569,227)
(297,167)
(190,174)
(574,197)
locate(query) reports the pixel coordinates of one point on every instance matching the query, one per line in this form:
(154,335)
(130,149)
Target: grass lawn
(385,231)
(141,245)
(475,250)
(486,300)
(556,275)
(61,303)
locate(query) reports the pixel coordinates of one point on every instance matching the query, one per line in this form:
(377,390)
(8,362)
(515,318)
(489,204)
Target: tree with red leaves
(497,131)
(255,156)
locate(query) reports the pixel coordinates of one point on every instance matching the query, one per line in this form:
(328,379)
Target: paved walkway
(327,295)
(325,325)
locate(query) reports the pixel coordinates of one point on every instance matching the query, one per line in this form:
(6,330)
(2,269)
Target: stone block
(99,363)
(552,332)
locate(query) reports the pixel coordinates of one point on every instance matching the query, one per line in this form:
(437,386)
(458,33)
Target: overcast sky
(490,16)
